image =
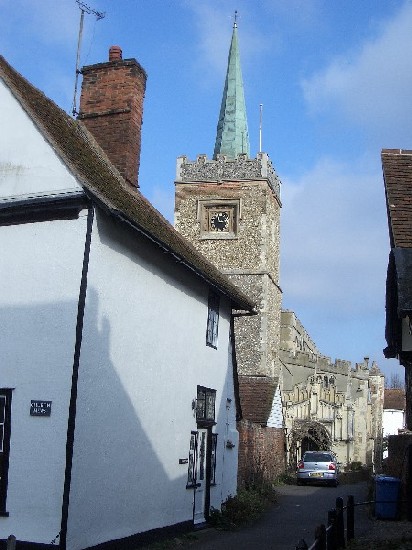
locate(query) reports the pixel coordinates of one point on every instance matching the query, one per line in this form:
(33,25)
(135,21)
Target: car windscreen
(317,457)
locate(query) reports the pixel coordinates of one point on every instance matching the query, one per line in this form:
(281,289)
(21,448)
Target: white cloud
(46,21)
(300,14)
(333,240)
(214,28)
(372,85)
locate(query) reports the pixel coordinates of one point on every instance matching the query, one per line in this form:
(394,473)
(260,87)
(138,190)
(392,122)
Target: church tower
(229,208)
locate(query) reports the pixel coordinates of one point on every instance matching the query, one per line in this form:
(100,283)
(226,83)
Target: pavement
(295,515)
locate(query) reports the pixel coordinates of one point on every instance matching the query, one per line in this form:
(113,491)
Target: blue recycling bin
(386,497)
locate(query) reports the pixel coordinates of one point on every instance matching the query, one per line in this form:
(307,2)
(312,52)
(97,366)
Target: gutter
(42,206)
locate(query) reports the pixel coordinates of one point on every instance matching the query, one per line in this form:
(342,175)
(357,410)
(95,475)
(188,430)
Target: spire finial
(232,136)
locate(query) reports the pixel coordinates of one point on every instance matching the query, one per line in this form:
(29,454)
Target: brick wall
(261,453)
(256,397)
(111,107)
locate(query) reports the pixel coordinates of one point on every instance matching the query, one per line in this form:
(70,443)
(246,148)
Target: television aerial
(84,8)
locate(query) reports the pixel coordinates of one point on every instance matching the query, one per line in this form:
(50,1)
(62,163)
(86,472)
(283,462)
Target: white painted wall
(393,420)
(143,355)
(40,271)
(27,162)
(275,419)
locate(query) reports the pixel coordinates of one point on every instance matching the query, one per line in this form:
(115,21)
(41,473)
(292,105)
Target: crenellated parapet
(242,168)
(317,362)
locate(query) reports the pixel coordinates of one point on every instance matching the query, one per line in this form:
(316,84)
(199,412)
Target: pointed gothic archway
(307,435)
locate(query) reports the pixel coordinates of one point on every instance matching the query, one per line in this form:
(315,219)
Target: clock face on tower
(219,220)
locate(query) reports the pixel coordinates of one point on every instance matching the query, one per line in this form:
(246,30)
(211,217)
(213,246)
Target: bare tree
(395,382)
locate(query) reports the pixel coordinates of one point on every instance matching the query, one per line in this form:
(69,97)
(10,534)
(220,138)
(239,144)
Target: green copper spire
(232,133)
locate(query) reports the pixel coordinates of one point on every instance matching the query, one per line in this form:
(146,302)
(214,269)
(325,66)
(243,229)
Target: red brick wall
(256,397)
(111,106)
(261,453)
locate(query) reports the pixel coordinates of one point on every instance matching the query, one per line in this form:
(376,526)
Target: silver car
(318,466)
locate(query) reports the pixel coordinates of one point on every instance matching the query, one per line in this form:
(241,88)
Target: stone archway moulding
(311,429)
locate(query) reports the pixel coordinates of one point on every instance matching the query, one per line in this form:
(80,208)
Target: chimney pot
(111,107)
(115,53)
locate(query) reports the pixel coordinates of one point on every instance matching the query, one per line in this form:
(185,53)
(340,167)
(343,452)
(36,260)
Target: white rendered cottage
(118,390)
(393,420)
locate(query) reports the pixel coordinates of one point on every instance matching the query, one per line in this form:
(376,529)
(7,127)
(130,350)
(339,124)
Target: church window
(5,425)
(212,320)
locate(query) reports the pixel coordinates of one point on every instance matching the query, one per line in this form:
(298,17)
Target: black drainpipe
(71,424)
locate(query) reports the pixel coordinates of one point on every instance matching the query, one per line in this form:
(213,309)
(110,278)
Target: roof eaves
(397,174)
(238,299)
(91,167)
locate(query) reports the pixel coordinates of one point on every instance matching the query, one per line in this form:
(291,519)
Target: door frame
(208,470)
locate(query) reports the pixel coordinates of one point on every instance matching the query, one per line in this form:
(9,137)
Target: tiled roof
(394,399)
(397,173)
(104,184)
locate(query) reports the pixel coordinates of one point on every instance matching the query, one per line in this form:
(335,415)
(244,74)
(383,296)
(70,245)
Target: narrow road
(298,510)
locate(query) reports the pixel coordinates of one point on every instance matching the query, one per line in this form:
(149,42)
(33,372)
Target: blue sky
(335,81)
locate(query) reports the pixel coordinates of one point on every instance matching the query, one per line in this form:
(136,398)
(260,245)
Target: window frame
(192,461)
(205,401)
(212,327)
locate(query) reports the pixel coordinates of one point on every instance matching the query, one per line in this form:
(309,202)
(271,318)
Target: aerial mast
(84,8)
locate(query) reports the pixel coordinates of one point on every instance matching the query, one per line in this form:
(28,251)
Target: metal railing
(332,536)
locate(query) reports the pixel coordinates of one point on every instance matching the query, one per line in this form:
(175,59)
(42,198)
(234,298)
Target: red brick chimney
(111,106)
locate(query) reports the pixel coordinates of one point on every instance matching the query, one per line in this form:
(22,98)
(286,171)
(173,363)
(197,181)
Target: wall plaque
(40,408)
